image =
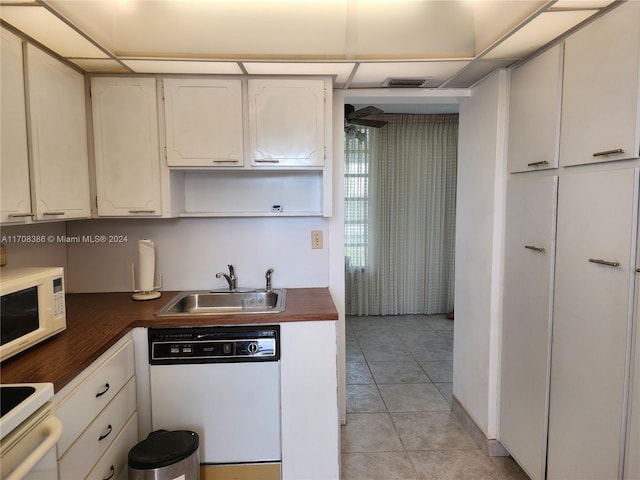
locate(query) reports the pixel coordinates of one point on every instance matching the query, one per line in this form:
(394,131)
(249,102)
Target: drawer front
(113,464)
(82,405)
(101,433)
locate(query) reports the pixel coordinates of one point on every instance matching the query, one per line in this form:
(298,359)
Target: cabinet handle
(112,472)
(604,262)
(537,164)
(533,247)
(604,153)
(266,160)
(637,270)
(106,389)
(142,210)
(226,161)
(53,214)
(109,430)
(20,215)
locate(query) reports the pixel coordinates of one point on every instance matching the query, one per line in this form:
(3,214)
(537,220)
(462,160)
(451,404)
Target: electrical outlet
(316,239)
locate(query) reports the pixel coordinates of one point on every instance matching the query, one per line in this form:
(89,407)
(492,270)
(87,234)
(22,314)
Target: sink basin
(224,303)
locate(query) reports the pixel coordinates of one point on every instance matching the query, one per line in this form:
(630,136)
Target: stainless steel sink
(224,303)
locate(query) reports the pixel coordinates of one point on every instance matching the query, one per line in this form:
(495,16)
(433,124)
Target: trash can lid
(162,448)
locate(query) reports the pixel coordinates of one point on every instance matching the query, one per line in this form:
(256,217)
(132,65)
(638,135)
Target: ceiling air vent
(406,82)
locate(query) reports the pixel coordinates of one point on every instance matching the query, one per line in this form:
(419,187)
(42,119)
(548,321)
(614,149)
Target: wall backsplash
(97,253)
(35,245)
(190,251)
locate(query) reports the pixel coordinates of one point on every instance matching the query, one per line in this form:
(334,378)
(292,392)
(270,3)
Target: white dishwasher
(222,383)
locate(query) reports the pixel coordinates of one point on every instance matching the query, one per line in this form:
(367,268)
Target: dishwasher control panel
(214,344)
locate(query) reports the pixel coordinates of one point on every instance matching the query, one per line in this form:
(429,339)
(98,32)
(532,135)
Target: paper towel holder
(141,294)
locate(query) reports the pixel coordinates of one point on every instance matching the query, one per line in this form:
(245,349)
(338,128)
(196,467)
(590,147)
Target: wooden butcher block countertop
(96,321)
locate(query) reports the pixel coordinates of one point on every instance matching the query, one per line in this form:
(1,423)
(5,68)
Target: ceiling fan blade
(364,112)
(368,122)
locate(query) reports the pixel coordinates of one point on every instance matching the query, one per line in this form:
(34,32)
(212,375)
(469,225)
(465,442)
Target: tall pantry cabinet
(570,377)
(596,212)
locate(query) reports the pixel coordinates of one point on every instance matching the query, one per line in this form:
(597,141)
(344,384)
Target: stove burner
(11,397)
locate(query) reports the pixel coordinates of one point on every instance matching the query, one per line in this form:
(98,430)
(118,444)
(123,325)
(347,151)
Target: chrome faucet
(231,278)
(268,277)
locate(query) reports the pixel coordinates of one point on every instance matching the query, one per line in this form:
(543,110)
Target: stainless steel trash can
(166,455)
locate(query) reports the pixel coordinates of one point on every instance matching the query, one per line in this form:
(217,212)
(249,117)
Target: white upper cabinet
(14,160)
(534,112)
(60,166)
(286,122)
(600,93)
(125,129)
(204,122)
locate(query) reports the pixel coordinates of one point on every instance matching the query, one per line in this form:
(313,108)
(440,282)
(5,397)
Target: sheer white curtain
(410,230)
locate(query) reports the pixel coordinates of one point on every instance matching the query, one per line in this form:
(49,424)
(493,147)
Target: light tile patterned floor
(399,420)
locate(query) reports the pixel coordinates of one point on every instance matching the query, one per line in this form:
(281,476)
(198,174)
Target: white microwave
(32,308)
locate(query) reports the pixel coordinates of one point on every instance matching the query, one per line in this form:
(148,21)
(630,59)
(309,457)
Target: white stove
(20,401)
(28,431)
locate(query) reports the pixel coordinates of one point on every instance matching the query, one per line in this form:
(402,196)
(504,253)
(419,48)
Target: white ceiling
(449,43)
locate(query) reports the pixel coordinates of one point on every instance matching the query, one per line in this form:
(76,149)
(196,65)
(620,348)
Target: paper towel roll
(147,264)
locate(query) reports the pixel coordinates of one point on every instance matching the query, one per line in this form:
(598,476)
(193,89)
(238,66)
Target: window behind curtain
(400,193)
(356,202)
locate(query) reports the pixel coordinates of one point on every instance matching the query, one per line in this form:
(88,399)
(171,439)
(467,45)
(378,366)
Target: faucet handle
(268,277)
(232,272)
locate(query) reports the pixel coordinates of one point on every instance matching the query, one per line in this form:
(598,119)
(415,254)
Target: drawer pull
(533,247)
(266,160)
(112,472)
(604,262)
(604,153)
(226,161)
(537,164)
(109,430)
(143,210)
(637,270)
(53,214)
(106,389)
(20,215)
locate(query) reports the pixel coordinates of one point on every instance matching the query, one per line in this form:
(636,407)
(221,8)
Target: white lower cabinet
(309,398)
(113,465)
(632,453)
(98,414)
(526,335)
(597,212)
(82,456)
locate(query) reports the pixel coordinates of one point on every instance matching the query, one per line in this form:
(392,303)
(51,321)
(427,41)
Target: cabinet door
(204,122)
(286,122)
(600,93)
(14,160)
(313,451)
(526,331)
(534,113)
(125,128)
(60,165)
(632,454)
(591,317)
